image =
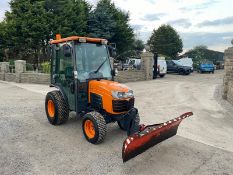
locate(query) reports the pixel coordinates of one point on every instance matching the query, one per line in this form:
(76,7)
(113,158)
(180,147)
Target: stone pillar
(20,67)
(147,64)
(228,76)
(4,67)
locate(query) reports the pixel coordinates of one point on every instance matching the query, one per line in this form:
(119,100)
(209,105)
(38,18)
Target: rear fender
(61,90)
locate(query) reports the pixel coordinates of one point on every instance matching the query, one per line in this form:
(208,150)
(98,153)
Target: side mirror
(112,51)
(67,50)
(114,72)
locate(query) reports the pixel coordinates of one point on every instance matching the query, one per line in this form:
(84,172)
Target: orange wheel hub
(89,129)
(51,108)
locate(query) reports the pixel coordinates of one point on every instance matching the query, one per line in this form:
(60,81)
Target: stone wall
(146,72)
(228,77)
(11,77)
(230,92)
(37,78)
(21,76)
(130,76)
(2,76)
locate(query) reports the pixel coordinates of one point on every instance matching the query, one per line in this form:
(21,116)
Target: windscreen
(92,61)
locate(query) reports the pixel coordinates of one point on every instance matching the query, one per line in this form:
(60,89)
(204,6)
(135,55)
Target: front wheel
(94,127)
(181,71)
(162,75)
(187,72)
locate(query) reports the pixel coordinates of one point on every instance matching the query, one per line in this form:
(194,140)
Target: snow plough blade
(149,136)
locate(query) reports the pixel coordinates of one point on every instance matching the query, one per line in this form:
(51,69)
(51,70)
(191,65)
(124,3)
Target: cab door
(65,77)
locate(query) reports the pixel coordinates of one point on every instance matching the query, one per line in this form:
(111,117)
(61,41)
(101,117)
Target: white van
(134,63)
(162,67)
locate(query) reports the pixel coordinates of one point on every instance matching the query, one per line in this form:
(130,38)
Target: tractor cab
(75,62)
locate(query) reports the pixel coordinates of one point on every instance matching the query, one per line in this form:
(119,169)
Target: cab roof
(73,38)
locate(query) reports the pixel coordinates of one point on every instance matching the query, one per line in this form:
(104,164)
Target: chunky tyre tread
(61,107)
(101,129)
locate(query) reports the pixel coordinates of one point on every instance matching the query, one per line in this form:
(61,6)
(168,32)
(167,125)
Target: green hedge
(29,67)
(45,67)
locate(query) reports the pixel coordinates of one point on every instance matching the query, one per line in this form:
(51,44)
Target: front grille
(122,105)
(96,101)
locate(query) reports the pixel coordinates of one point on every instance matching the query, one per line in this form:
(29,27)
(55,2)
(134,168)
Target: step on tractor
(81,72)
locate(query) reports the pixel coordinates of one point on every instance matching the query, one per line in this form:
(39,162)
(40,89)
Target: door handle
(71,87)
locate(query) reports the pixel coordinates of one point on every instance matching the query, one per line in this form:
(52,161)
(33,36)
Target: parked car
(206,66)
(162,68)
(219,65)
(125,66)
(186,62)
(175,67)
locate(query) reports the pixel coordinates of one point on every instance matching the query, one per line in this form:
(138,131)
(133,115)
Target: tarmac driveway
(204,144)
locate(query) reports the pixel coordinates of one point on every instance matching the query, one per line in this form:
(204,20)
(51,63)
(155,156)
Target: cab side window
(65,64)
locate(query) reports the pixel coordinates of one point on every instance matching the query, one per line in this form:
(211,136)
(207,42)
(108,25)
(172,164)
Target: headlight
(116,94)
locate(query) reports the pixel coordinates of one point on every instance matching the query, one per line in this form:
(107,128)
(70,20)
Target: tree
(135,51)
(32,23)
(106,21)
(201,53)
(68,17)
(165,40)
(124,34)
(3,28)
(101,22)
(198,54)
(27,28)
(138,45)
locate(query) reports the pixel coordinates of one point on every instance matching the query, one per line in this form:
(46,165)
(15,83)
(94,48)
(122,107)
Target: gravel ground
(204,144)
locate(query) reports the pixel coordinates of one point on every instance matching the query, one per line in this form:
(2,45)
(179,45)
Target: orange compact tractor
(82,73)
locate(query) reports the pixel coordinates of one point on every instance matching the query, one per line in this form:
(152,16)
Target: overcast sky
(199,22)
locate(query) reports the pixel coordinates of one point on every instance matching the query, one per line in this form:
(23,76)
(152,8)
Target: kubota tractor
(82,73)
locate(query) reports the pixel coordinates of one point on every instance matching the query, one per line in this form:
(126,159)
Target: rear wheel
(56,107)
(94,127)
(184,72)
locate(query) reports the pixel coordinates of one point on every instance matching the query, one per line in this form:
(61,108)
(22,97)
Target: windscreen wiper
(97,70)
